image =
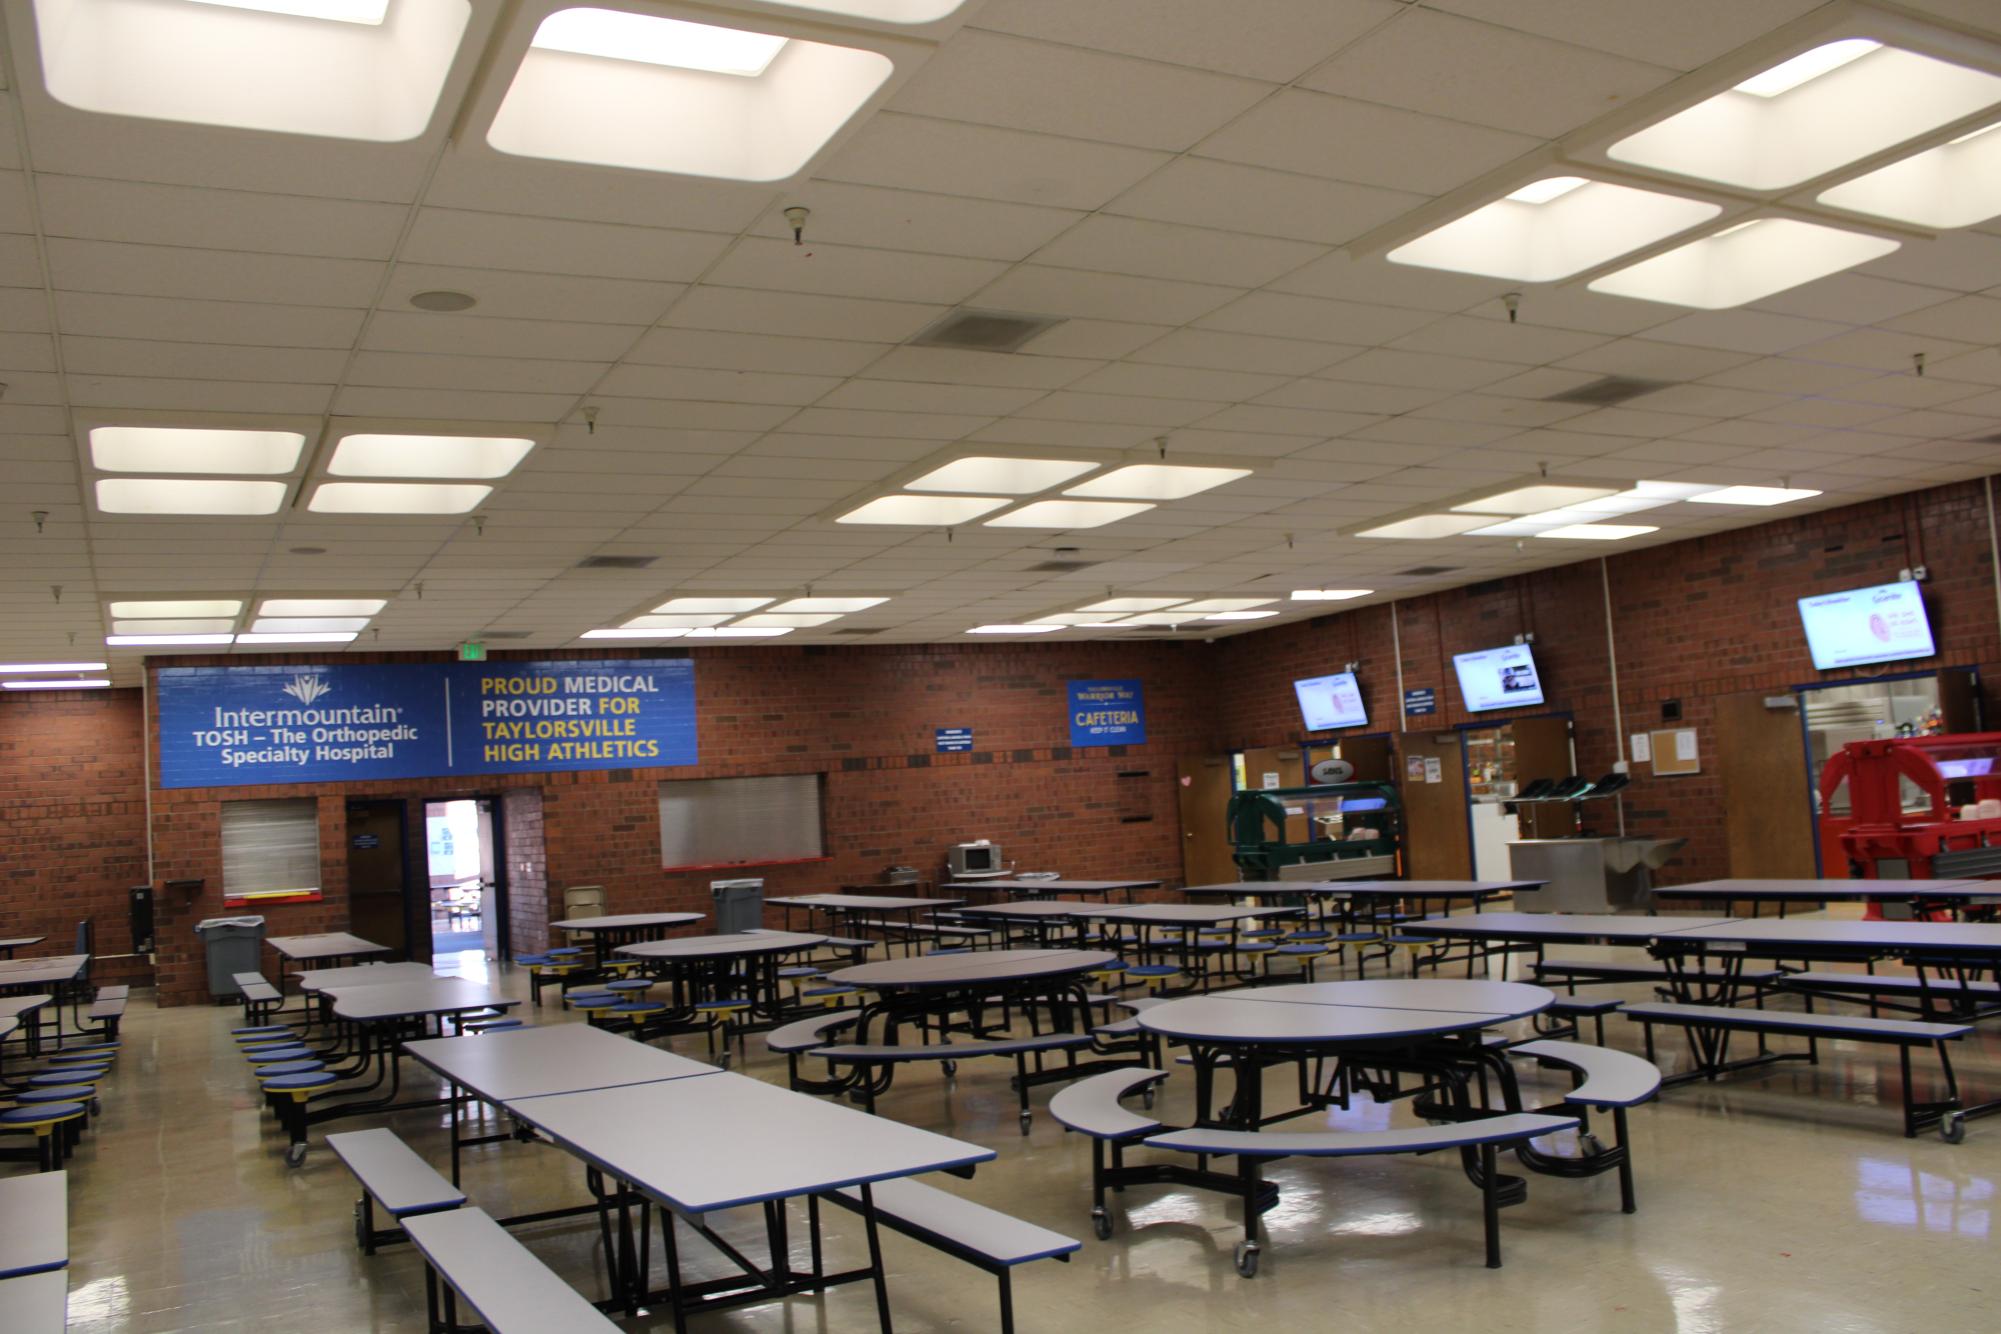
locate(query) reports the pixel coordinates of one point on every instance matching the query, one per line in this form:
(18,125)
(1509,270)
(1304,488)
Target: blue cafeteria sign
(1107,713)
(232,726)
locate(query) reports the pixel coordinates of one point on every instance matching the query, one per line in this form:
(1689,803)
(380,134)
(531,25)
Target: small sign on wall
(953,739)
(1420,701)
(1107,713)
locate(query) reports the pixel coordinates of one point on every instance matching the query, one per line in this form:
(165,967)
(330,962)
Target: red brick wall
(72,819)
(526,859)
(1695,620)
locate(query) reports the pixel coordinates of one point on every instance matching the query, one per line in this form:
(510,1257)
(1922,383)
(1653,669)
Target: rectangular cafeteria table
(1919,894)
(34,1225)
(661,1139)
(8,946)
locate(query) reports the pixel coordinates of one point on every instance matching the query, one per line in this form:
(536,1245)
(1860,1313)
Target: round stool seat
(722,1006)
(72,1075)
(1302,950)
(284,1054)
(279,1044)
(56,1093)
(1257,947)
(586,1000)
(1115,966)
(299,1083)
(267,1073)
(1262,933)
(40,1117)
(1359,937)
(530,960)
(1153,970)
(565,952)
(800,970)
(80,1058)
(494,1025)
(829,993)
(1311,935)
(630,1008)
(625,984)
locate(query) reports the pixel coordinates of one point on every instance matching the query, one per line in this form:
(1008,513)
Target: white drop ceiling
(1182,182)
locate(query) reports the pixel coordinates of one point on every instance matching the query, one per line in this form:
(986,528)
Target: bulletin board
(1675,752)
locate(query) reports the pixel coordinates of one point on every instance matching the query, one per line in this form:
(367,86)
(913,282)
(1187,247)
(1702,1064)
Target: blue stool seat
(565,952)
(639,1007)
(283,1054)
(1412,940)
(41,1114)
(1262,933)
(80,1058)
(531,959)
(1359,937)
(732,1003)
(494,1025)
(1311,935)
(625,984)
(56,1093)
(1303,950)
(73,1075)
(259,1028)
(282,1068)
(1257,947)
(1153,970)
(955,949)
(1114,966)
(801,970)
(840,990)
(587,999)
(310,1079)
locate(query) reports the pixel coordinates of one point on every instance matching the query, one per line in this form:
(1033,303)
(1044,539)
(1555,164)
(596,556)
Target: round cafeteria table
(697,969)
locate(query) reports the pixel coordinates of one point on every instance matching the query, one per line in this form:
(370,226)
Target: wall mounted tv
(1498,678)
(1886,623)
(1327,702)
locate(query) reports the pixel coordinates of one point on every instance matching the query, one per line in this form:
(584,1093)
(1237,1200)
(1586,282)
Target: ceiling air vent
(1425,571)
(506,634)
(1611,389)
(1994,439)
(616,562)
(1060,566)
(985,331)
(862,630)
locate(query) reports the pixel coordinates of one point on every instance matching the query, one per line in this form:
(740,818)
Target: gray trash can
(233,945)
(739,905)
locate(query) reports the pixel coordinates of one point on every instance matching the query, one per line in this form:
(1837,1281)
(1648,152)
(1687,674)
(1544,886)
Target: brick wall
(1693,621)
(72,819)
(526,859)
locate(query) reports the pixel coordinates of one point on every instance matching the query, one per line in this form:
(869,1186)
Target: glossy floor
(1782,1202)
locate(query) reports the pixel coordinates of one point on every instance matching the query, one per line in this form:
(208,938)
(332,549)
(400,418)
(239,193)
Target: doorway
(465,910)
(1204,787)
(375,873)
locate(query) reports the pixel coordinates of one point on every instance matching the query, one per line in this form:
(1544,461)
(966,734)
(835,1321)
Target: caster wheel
(295,1155)
(1952,1128)
(951,1068)
(1101,1225)
(360,1230)
(1026,1117)
(724,1063)
(1146,1100)
(1247,1259)
(1592,1142)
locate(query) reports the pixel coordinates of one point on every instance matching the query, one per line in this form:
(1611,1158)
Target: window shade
(719,821)
(270,845)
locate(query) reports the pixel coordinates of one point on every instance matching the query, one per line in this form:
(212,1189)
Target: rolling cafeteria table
(1055,889)
(1920,895)
(709,968)
(7,947)
(608,933)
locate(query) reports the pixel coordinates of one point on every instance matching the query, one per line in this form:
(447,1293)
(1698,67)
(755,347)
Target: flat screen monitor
(1886,623)
(1498,678)
(1327,702)
(1979,768)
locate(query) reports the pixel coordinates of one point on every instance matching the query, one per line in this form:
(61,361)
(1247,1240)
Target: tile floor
(1776,1203)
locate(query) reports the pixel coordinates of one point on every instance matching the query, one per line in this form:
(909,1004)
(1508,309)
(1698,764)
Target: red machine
(1905,797)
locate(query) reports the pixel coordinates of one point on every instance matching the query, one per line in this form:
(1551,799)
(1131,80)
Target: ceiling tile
(1238,198)
(935,224)
(1163,250)
(834,270)
(946,157)
(740,310)
(1682,35)
(1277,40)
(1034,289)
(1345,140)
(217,219)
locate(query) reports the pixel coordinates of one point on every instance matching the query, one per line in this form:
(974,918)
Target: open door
(1280,766)
(1767,816)
(1204,790)
(1432,778)
(376,873)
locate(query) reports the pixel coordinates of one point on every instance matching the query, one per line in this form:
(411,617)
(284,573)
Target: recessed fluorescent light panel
(1811,114)
(616,34)
(1156,481)
(1237,615)
(164,449)
(1553,228)
(1133,604)
(315,606)
(840,606)
(740,632)
(479,458)
(1534,498)
(1068,514)
(1598,532)
(395,498)
(1224,604)
(330,68)
(677,621)
(167,641)
(596,85)
(160,495)
(1161,618)
(729,605)
(1957,184)
(1099,619)
(192,626)
(179,608)
(93,683)
(1744,263)
(1003,476)
(622,633)
(1013,629)
(298,637)
(790,620)
(923,511)
(40,667)
(1423,526)
(1329,594)
(307,625)
(1753,495)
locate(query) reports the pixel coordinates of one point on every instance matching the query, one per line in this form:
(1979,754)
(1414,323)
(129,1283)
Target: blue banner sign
(232,726)
(1107,713)
(952,739)
(1421,700)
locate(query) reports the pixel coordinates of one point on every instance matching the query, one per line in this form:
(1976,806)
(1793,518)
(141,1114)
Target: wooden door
(1542,750)
(1289,763)
(376,873)
(1761,765)
(1437,843)
(1374,757)
(1204,794)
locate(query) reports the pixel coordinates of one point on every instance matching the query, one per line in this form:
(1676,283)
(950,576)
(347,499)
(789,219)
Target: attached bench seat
(259,997)
(1578,972)
(1252,1148)
(951,1053)
(36,1303)
(502,1282)
(1605,1080)
(1709,1027)
(987,1238)
(1092,1107)
(392,1175)
(115,991)
(1868,988)
(106,1014)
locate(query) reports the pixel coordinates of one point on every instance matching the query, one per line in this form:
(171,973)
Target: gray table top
(37,1303)
(863,902)
(555,1058)
(735,1140)
(1580,928)
(1226,1019)
(325,945)
(1438,889)
(8,1023)
(1776,890)
(41,968)
(363,975)
(1925,938)
(404,1000)
(1025,908)
(21,942)
(34,1223)
(13,1006)
(980,966)
(744,944)
(1516,1000)
(1271,889)
(628,921)
(1182,914)
(1066,886)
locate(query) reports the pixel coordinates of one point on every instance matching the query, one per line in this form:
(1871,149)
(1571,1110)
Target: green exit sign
(472,651)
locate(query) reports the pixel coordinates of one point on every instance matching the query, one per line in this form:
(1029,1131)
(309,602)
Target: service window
(739,821)
(270,845)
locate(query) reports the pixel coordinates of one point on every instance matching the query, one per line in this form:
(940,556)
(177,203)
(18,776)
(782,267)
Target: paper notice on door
(1684,744)
(1413,769)
(1271,781)
(1643,748)
(1434,772)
